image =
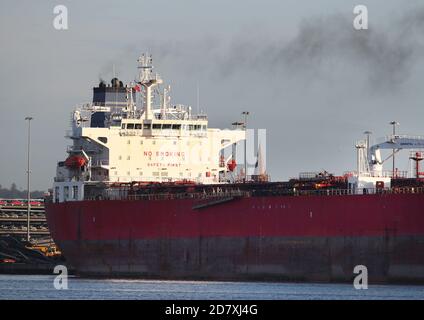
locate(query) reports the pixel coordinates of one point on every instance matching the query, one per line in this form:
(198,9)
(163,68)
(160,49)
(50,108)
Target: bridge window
(176,126)
(75,192)
(156,126)
(130,126)
(56,194)
(123,126)
(147,126)
(138,126)
(66,193)
(166,126)
(102,139)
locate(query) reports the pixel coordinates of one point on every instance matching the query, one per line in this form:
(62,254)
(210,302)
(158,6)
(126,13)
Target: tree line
(14,193)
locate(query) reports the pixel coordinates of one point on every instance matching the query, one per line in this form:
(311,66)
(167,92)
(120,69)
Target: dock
(40,254)
(13,220)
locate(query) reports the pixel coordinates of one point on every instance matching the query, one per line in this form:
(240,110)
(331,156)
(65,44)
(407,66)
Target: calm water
(41,287)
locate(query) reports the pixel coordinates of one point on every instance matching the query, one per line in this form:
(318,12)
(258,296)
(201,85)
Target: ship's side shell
(310,238)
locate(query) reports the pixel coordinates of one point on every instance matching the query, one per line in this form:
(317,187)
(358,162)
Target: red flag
(137,88)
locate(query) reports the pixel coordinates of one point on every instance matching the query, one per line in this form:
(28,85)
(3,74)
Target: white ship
(134,133)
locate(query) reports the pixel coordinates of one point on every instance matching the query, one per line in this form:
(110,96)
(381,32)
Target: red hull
(285,237)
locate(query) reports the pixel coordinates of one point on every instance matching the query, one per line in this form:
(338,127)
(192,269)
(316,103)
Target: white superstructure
(144,139)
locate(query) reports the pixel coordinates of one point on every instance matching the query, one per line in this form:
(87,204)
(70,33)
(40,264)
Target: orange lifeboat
(232,165)
(75,162)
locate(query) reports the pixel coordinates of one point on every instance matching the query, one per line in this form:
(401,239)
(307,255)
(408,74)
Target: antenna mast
(148,80)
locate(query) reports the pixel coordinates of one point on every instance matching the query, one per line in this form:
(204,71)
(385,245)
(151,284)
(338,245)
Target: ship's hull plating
(306,238)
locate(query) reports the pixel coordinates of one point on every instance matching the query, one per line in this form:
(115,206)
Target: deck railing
(171,196)
(243,194)
(364,191)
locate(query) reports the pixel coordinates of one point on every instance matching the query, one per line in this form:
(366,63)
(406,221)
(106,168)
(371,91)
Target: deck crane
(393,142)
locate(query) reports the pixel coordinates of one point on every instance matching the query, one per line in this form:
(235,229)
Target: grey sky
(299,67)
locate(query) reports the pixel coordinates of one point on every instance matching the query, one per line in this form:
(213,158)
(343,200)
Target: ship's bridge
(166,128)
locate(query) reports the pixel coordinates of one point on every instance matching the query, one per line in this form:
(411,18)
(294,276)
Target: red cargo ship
(155,193)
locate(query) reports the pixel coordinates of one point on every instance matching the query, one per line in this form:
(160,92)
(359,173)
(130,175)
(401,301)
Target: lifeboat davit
(75,162)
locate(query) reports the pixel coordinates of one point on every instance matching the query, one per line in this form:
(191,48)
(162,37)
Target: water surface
(41,287)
